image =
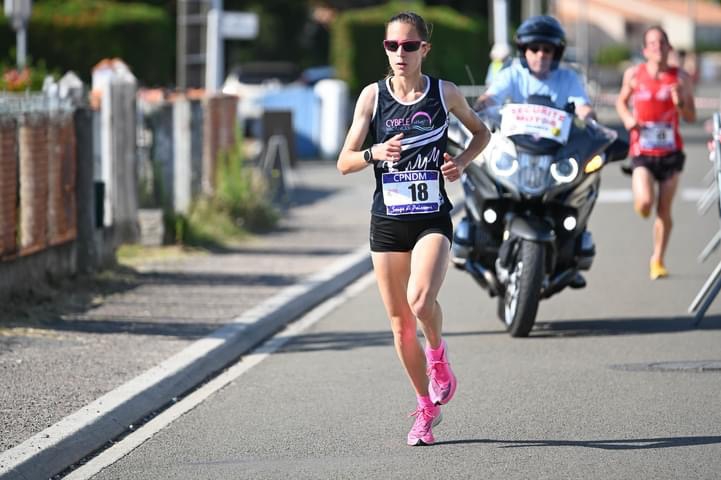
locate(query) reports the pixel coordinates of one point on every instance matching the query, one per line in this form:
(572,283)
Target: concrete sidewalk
(135,341)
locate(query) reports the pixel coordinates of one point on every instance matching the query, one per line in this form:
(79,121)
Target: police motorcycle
(528,199)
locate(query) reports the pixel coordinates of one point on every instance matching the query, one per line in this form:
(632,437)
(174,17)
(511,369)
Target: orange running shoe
(642,213)
(657,270)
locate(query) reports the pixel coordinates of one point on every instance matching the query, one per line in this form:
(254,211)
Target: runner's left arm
(684,98)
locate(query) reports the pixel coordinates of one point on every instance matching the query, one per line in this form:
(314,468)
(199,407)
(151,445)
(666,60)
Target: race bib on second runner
(657,136)
(415,191)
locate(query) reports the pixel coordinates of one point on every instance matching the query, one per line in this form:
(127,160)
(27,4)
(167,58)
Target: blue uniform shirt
(516,84)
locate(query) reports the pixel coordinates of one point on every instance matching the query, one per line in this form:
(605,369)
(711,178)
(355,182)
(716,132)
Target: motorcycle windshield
(586,139)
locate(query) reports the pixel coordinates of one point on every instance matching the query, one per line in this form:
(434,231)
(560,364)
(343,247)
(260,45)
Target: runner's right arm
(629,121)
(351,159)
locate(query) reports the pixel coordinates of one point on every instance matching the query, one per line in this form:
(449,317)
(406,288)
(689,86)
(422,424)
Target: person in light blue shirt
(500,59)
(540,41)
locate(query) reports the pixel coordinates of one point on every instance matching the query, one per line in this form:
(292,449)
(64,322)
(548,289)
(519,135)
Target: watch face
(367,155)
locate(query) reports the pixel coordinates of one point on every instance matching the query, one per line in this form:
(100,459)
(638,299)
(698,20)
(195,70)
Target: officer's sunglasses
(535,47)
(408,45)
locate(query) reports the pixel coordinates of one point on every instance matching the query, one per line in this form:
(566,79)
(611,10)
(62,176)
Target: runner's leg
(663,223)
(392,270)
(642,185)
(428,270)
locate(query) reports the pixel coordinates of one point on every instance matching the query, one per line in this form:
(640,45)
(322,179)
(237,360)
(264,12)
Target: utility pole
(582,47)
(18,11)
(214,53)
(531,8)
(190,44)
(500,21)
(224,25)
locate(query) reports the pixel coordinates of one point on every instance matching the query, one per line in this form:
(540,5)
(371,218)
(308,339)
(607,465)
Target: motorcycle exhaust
(485,278)
(559,282)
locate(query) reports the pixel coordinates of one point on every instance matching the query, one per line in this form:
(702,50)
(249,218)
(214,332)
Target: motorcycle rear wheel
(518,306)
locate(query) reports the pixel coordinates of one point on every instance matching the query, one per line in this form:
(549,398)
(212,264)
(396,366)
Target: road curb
(81,433)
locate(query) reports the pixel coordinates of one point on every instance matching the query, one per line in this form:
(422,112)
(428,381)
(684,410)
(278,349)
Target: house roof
(703,12)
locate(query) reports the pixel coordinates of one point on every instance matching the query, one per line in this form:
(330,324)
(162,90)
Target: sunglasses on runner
(535,47)
(408,45)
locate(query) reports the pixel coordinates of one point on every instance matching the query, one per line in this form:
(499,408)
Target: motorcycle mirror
(618,150)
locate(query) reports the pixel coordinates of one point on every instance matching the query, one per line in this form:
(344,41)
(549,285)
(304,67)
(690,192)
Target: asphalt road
(588,395)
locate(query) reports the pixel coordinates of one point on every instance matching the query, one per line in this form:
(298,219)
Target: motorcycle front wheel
(518,306)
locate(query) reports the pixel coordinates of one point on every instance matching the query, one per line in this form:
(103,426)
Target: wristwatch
(368,155)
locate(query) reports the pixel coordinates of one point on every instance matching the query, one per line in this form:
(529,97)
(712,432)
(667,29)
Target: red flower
(16,81)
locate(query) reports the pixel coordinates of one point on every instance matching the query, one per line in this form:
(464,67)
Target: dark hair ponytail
(660,30)
(424,30)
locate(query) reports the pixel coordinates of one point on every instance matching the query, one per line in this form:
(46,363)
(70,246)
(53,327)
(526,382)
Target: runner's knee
(421,304)
(664,214)
(404,332)
(643,207)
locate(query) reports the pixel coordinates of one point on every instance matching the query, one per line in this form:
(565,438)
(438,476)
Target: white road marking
(248,361)
(624,195)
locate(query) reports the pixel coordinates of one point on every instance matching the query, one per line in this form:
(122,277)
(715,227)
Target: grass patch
(242,205)
(133,255)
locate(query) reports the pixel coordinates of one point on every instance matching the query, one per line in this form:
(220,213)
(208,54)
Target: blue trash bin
(305,106)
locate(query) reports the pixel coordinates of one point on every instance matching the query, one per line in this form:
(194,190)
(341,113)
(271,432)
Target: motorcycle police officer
(540,41)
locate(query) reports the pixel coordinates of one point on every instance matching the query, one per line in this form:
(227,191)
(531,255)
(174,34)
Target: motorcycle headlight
(503,164)
(564,170)
(533,173)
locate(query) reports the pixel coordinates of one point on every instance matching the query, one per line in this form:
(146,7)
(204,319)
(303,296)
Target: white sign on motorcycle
(537,120)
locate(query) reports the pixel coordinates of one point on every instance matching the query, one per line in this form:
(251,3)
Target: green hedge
(612,55)
(458,41)
(76,34)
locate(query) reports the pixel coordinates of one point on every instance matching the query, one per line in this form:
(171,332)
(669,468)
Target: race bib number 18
(411,192)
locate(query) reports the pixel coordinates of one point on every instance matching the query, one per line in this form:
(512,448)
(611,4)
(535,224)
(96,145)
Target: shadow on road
(121,300)
(622,326)
(348,340)
(302,195)
(572,328)
(300,250)
(337,341)
(209,279)
(620,444)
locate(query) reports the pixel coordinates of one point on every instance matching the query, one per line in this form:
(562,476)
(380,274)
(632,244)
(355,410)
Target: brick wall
(33,152)
(38,168)
(62,170)
(8,187)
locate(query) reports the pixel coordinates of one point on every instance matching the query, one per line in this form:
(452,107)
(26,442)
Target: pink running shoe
(442,383)
(426,418)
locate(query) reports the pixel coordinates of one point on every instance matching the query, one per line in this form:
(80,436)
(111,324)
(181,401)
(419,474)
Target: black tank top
(412,188)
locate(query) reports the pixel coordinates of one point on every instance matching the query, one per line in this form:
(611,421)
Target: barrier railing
(712,286)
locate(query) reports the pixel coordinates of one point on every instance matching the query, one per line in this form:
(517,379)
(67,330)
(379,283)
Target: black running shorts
(662,167)
(388,235)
